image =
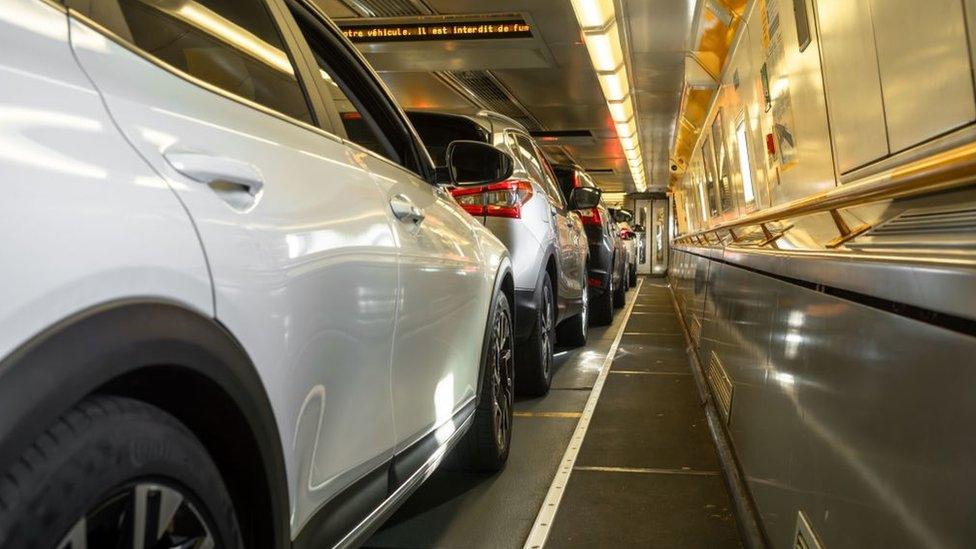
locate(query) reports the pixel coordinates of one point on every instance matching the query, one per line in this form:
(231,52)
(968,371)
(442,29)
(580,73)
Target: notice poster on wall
(783,128)
(776,89)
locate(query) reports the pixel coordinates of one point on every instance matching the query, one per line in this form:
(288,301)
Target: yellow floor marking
(646,373)
(566,415)
(647,470)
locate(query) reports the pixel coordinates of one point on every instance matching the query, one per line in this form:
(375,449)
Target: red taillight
(503,199)
(591,216)
(594,281)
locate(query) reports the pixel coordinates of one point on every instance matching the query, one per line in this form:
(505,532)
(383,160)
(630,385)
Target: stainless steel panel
(852,82)
(855,416)
(926,77)
(797,79)
(941,287)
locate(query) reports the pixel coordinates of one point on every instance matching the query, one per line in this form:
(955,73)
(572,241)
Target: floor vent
(721,384)
(944,227)
(486,91)
(803,536)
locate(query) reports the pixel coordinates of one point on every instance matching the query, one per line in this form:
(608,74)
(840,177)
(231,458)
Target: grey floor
(646,476)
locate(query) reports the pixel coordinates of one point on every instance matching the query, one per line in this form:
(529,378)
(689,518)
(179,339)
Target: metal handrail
(950,169)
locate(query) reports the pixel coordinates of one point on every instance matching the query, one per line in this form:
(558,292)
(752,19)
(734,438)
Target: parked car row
(247,308)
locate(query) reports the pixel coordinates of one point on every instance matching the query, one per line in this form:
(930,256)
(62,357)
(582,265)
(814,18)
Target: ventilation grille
(387,8)
(952,227)
(803,536)
(486,91)
(721,384)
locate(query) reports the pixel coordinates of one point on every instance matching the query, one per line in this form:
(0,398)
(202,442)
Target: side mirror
(638,228)
(584,198)
(475,163)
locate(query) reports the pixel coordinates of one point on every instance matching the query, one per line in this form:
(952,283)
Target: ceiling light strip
(598,22)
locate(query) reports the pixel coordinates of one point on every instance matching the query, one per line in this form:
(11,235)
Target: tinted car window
(360,127)
(231,44)
(549,178)
(527,155)
(438,130)
(369,117)
(565,177)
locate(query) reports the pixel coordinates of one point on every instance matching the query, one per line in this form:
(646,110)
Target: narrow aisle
(455,509)
(647,474)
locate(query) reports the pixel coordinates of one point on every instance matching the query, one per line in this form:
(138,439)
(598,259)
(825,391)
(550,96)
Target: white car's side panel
(446,288)
(84,220)
(305,269)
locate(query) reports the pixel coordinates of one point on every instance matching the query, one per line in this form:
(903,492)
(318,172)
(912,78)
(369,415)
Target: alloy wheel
(144,515)
(547,331)
(503,367)
(585,315)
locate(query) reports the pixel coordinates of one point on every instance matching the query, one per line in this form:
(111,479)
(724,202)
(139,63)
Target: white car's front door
(444,282)
(296,231)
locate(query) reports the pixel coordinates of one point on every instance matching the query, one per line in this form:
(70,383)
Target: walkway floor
(646,475)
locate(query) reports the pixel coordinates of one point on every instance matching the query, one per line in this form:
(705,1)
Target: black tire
(620,293)
(484,448)
(601,307)
(534,355)
(84,474)
(633,275)
(572,331)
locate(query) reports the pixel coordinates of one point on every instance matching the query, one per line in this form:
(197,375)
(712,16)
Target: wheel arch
(553,269)
(504,283)
(146,349)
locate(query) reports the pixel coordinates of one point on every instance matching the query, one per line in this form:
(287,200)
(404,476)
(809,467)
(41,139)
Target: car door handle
(405,210)
(214,170)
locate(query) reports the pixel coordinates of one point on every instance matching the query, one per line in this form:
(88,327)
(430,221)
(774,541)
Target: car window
(549,180)
(368,115)
(538,168)
(361,128)
(437,131)
(231,44)
(565,178)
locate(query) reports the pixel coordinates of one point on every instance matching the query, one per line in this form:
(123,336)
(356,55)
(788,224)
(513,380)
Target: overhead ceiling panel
(550,75)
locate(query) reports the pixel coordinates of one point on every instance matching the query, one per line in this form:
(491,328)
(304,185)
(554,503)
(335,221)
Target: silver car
(545,237)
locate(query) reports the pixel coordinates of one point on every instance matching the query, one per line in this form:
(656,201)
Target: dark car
(607,263)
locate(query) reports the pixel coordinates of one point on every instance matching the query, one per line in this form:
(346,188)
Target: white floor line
(547,513)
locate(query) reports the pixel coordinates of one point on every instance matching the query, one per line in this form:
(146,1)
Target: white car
(225,320)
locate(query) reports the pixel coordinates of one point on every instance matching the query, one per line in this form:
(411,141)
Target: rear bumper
(526,310)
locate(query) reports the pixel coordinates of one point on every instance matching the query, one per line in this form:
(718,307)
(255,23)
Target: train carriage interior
(488,274)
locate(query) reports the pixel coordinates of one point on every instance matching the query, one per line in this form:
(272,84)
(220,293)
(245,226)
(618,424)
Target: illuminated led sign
(439,30)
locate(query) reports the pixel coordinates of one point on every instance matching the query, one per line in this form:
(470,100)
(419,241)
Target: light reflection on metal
(951,169)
